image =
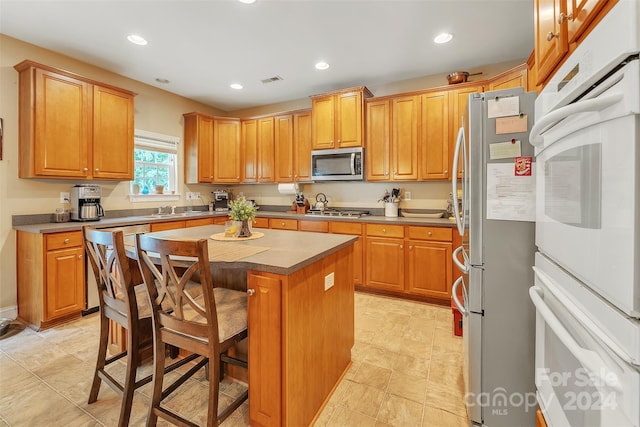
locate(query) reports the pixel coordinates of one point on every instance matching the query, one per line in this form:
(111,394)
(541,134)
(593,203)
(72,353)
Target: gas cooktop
(337,212)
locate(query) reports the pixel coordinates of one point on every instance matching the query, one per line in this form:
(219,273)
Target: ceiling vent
(272,79)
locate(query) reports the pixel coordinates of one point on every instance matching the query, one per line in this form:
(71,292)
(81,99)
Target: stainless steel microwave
(341,164)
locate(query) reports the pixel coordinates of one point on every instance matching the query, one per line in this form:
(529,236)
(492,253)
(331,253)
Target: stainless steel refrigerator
(497,193)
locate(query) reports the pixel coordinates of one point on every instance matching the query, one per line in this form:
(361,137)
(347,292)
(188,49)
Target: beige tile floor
(406,371)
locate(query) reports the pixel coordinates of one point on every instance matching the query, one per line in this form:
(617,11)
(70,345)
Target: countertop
(45,228)
(288,252)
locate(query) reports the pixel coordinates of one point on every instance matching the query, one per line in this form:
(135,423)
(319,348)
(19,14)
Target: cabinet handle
(339,141)
(79,256)
(429,234)
(283,224)
(237,177)
(384,230)
(67,241)
(97,170)
(563,17)
(401,246)
(85,169)
(251,292)
(446,171)
(410,248)
(551,35)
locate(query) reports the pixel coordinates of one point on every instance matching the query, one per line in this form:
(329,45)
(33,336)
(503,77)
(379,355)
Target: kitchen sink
(177,215)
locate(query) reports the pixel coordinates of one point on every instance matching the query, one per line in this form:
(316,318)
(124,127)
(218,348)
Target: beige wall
(160,111)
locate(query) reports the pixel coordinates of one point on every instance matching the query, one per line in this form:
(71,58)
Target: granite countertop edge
(46,228)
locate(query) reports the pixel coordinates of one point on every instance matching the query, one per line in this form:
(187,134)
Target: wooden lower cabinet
(283,224)
(261,222)
(354,228)
(385,263)
(300,339)
(51,277)
(200,222)
(429,268)
(168,225)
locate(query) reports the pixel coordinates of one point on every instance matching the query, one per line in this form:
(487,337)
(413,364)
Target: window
(155,159)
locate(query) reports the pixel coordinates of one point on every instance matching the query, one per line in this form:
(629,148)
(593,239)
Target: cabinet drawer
(430,233)
(317,226)
(346,227)
(283,224)
(220,220)
(169,225)
(198,222)
(384,230)
(261,222)
(64,240)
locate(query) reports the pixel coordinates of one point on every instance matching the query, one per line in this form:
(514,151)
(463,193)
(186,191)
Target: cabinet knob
(250,292)
(339,141)
(429,234)
(67,241)
(384,230)
(79,256)
(446,171)
(564,17)
(237,177)
(401,246)
(410,248)
(85,169)
(97,170)
(551,35)
(283,223)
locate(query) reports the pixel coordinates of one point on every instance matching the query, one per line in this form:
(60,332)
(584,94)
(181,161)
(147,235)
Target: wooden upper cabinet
(458,103)
(377,151)
(302,146)
(226,144)
(550,36)
(112,134)
(284,148)
(266,150)
(405,118)
(337,118)
(580,13)
(515,77)
(249,148)
(72,127)
(434,147)
(198,148)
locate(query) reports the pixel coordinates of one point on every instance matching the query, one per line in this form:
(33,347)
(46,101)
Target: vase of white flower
(240,210)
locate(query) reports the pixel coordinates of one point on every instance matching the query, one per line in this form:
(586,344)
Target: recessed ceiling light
(247,1)
(322,65)
(136,39)
(235,86)
(159,80)
(443,38)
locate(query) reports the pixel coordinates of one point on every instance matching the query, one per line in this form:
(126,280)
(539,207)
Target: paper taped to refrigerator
(505,150)
(510,197)
(502,107)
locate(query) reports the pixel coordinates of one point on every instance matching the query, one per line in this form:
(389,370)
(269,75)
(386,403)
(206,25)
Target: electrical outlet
(196,195)
(189,195)
(407,195)
(328,281)
(64,197)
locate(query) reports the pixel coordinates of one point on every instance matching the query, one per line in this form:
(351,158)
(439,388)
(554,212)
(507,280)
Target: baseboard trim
(10,312)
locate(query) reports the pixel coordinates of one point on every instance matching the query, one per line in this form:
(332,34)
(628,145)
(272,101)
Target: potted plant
(243,212)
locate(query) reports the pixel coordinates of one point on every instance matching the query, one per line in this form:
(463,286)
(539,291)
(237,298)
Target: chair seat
(144,309)
(231,307)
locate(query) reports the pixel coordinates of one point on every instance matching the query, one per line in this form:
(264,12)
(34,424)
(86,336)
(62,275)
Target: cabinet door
(377,146)
(458,103)
(385,263)
(512,79)
(169,225)
(579,14)
(434,156)
(358,247)
(112,134)
(265,329)
(349,119)
(62,126)
(550,36)
(249,144)
(429,269)
(64,290)
(302,146)
(323,122)
(284,148)
(404,138)
(266,155)
(226,143)
(198,148)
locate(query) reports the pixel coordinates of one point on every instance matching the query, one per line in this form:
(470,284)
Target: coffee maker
(85,202)
(220,200)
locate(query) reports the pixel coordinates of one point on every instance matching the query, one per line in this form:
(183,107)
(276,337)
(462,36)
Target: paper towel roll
(291,188)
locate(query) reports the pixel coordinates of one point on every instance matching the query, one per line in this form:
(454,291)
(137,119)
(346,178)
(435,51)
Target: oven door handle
(596,104)
(588,358)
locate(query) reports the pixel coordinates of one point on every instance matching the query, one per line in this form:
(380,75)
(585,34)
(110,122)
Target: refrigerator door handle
(462,266)
(554,117)
(454,180)
(589,359)
(454,295)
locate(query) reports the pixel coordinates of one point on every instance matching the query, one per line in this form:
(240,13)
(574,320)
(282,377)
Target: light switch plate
(407,195)
(328,281)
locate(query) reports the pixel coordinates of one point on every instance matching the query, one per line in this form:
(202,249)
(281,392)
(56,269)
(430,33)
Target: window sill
(136,198)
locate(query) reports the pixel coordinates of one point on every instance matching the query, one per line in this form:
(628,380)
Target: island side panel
(318,331)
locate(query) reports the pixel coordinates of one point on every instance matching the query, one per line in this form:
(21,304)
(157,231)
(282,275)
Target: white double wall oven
(587,269)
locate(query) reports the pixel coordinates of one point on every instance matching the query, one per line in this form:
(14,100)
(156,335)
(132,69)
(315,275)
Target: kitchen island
(301,317)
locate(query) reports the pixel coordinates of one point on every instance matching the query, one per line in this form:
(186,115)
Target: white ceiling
(203,46)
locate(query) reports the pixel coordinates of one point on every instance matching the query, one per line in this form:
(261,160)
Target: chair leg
(214,388)
(102,356)
(158,377)
(133,360)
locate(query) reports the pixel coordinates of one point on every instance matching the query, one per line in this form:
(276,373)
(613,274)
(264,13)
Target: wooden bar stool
(189,313)
(125,303)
